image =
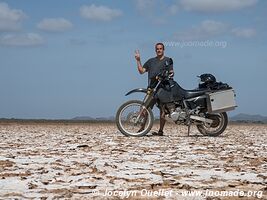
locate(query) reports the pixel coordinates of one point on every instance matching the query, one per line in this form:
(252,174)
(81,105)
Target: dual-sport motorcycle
(204,107)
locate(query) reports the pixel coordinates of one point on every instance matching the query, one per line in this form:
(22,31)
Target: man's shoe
(159,133)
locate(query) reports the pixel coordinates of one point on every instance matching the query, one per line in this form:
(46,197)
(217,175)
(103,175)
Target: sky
(67,58)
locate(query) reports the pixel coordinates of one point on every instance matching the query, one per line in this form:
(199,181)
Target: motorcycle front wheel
(218,126)
(134,119)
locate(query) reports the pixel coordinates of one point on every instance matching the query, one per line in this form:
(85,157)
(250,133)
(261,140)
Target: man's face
(159,50)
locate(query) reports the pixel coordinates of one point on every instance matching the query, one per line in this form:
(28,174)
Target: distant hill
(249,118)
(237,118)
(243,118)
(85,118)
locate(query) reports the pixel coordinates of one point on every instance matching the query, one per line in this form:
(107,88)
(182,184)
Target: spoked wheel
(219,124)
(133,119)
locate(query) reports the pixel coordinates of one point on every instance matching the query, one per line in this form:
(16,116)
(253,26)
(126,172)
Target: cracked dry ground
(72,160)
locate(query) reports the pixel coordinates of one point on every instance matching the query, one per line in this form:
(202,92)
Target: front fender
(144,90)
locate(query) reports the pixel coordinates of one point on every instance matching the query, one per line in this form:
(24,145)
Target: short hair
(159,43)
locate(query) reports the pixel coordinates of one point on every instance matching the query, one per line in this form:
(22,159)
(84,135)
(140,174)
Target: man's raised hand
(137,55)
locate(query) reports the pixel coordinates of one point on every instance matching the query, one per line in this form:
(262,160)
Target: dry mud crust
(95,161)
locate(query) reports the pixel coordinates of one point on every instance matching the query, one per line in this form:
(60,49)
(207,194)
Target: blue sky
(61,59)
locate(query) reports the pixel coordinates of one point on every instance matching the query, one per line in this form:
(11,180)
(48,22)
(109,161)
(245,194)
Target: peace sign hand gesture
(137,55)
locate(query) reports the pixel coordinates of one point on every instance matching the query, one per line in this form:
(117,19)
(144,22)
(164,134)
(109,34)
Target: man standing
(154,66)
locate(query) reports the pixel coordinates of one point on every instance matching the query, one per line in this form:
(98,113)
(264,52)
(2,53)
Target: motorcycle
(204,107)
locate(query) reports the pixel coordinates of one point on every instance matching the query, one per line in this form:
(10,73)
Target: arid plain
(95,161)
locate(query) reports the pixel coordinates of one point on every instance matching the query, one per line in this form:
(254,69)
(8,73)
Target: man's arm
(140,68)
(171,72)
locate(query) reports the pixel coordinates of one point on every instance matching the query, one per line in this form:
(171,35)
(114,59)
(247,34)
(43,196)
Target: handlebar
(165,74)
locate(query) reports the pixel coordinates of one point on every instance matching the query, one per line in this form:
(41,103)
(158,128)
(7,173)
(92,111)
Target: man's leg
(162,120)
(144,115)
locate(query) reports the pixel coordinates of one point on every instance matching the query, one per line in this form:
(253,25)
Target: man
(154,66)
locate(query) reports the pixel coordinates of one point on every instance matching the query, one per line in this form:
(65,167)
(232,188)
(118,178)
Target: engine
(176,113)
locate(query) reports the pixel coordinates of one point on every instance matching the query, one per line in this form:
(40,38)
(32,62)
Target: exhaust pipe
(202,119)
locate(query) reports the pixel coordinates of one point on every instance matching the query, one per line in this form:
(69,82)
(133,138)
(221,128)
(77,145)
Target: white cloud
(144,4)
(173,9)
(99,13)
(29,39)
(216,5)
(205,29)
(10,18)
(155,12)
(244,32)
(159,21)
(54,24)
(77,41)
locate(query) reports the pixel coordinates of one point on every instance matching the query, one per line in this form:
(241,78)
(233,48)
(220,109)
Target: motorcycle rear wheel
(220,122)
(131,124)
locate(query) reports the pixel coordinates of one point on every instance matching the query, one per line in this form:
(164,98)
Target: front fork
(146,102)
(148,98)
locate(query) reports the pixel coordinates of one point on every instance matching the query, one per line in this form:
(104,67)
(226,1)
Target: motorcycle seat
(187,94)
(194,93)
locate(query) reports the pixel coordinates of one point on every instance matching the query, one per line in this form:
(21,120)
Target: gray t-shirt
(154,66)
